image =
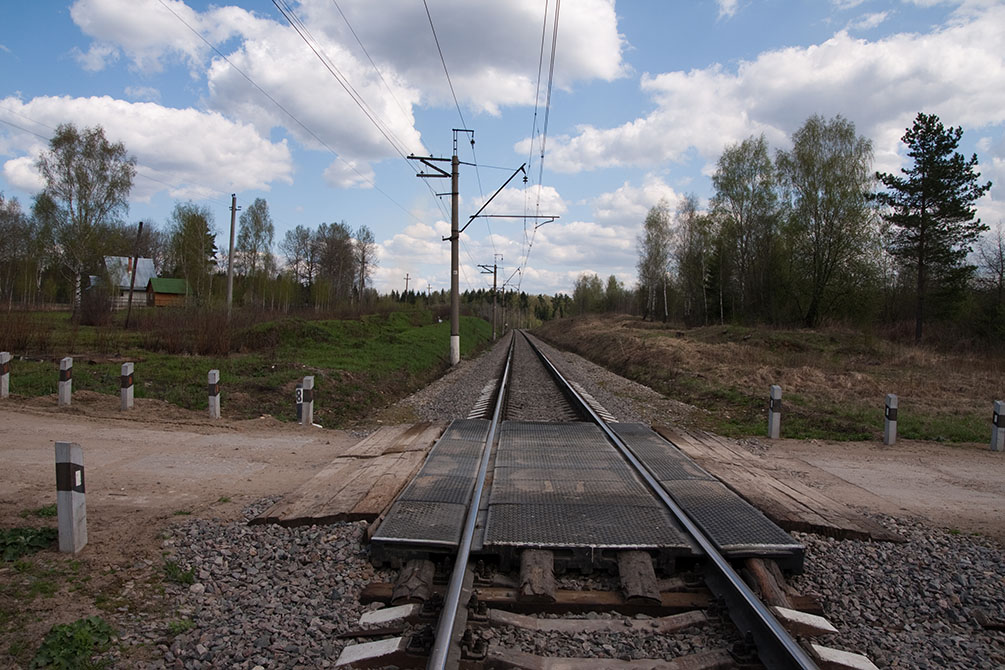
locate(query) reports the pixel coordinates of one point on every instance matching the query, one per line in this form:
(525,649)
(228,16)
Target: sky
(215,99)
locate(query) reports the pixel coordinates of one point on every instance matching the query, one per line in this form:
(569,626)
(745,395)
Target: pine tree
(931,208)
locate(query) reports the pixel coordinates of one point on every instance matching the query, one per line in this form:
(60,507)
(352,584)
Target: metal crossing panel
(563,485)
(735,526)
(430,512)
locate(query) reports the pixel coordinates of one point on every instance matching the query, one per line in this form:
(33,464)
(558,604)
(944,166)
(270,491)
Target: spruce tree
(931,208)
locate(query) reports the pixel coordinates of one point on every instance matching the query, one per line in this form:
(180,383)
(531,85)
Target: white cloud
(727,8)
(349,174)
(530,200)
(490,67)
(97,57)
(628,205)
(143,93)
(217,155)
(879,85)
(868,21)
(20,172)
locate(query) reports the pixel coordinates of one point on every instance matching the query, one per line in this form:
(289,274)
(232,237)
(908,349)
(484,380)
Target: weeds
(44,512)
(18,542)
(173,572)
(179,626)
(73,645)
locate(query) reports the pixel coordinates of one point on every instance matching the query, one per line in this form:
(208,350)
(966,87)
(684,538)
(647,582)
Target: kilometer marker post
(71,507)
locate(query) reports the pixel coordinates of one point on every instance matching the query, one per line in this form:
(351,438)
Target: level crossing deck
(564,487)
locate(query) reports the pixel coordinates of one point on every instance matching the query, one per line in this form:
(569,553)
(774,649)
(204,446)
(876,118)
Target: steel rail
(451,601)
(776,647)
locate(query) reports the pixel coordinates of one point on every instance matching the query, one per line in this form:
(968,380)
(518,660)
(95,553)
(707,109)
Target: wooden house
(166,292)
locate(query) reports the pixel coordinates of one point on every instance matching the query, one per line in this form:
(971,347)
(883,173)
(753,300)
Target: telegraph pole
(494,272)
(230,254)
(407,277)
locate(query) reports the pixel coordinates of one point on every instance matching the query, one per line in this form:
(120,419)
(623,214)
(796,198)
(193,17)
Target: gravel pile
(911,605)
(265,596)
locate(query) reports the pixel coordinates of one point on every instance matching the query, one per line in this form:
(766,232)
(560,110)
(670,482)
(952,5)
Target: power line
(544,133)
(444,62)
(288,112)
(343,81)
(367,53)
(312,43)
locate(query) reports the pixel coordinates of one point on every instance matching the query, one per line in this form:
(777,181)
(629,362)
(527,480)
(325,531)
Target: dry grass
(834,381)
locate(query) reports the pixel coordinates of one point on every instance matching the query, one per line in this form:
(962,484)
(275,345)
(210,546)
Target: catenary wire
(312,43)
(289,113)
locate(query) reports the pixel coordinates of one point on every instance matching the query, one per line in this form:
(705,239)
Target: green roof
(168,285)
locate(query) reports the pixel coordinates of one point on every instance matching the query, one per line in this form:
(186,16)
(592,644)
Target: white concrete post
(307,416)
(775,412)
(890,420)
(65,381)
(998,427)
(71,508)
(126,392)
(214,394)
(4,374)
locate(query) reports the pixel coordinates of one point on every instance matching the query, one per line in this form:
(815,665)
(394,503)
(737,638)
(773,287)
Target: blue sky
(646,95)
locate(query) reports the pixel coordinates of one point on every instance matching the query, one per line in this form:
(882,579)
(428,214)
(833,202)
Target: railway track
(538,477)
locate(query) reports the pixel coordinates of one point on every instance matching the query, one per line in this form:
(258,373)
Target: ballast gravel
(272,597)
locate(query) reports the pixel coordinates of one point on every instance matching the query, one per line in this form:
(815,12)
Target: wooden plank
(395,439)
(361,482)
(537,575)
(788,502)
(396,470)
(638,578)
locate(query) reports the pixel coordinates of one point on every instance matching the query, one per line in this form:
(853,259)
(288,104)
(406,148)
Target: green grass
(179,626)
(44,512)
(357,364)
(174,572)
(74,645)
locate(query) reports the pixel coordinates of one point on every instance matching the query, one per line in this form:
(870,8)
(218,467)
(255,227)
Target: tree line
(50,251)
(814,235)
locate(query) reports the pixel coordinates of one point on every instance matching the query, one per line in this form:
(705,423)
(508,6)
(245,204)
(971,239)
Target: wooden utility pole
(407,277)
(230,254)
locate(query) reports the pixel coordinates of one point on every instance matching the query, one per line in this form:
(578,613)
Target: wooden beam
(537,575)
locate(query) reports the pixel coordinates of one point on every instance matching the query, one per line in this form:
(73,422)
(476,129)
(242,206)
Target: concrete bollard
(126,392)
(214,394)
(890,420)
(4,374)
(307,415)
(775,412)
(65,381)
(998,427)
(71,508)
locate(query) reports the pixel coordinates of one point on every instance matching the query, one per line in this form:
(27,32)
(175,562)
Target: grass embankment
(834,382)
(358,364)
